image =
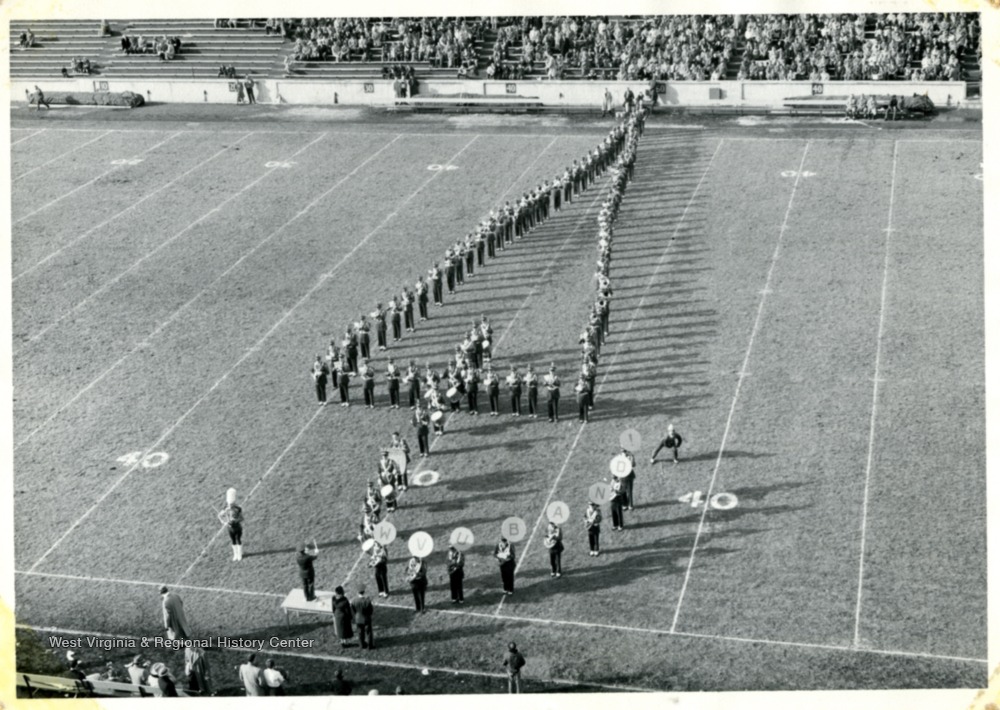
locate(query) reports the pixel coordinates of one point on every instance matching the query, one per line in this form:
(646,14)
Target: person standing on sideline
(343,619)
(251,676)
(196,671)
(307,572)
(232,517)
(593,523)
(364,610)
(513,661)
(504,552)
(174,619)
(164,680)
(416,575)
(339,686)
(554,543)
(239,91)
(248,84)
(138,671)
(609,104)
(320,374)
(273,678)
(379,561)
(672,440)
(456,574)
(40,99)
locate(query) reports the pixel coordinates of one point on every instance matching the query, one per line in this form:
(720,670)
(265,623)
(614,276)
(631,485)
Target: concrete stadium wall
(762,94)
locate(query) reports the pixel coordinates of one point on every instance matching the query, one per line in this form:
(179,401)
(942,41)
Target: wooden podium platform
(296,603)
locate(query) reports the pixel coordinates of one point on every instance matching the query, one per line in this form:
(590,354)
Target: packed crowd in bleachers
(824,47)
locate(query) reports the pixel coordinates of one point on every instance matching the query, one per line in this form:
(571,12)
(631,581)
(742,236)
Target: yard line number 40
(720,501)
(153,460)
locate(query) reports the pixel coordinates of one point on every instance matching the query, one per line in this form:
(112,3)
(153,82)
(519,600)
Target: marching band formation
(430,393)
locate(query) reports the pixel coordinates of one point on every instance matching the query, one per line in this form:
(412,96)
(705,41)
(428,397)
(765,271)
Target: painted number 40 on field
(720,501)
(153,460)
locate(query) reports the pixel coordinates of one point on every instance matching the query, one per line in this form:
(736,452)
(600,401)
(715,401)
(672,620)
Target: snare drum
(437,416)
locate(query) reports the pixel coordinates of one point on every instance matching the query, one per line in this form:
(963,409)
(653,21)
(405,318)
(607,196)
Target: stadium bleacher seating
(670,47)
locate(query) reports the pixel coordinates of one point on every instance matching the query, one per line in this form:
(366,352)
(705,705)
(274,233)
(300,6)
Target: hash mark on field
(739,386)
(91,182)
(635,314)
(130,207)
(162,245)
(875,380)
(61,155)
(532,620)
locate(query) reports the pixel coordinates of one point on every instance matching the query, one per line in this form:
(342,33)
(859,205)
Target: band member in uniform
(381,330)
(332,358)
(421,289)
(470,256)
(589,371)
(416,575)
(392,377)
(422,423)
(672,440)
(406,305)
(320,374)
(553,541)
(368,379)
(438,285)
(458,255)
(480,247)
(412,380)
(552,388)
(504,553)
(617,504)
(628,482)
(593,523)
(514,388)
(472,390)
(398,443)
(436,405)
(351,347)
(449,270)
(364,338)
(380,562)
(232,517)
(307,572)
(456,574)
(582,399)
(369,519)
(389,475)
(455,383)
(373,500)
(531,382)
(396,316)
(492,384)
(344,382)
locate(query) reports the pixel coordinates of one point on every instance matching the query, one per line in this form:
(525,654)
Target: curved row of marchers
(471,368)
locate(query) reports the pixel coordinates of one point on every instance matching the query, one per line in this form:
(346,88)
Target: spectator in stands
(250,674)
(75,664)
(27,39)
(112,674)
(104,30)
(138,670)
(274,678)
(339,686)
(196,670)
(164,680)
(288,64)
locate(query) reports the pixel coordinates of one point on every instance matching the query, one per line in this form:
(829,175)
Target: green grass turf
(781,566)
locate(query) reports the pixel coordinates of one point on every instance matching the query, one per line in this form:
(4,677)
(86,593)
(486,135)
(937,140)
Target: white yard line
(61,155)
(614,358)
(533,620)
(91,182)
(159,247)
(173,316)
(875,383)
(30,135)
(135,204)
(739,385)
(358,661)
(253,349)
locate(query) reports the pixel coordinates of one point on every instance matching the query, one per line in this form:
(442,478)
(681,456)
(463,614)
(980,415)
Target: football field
(805,307)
